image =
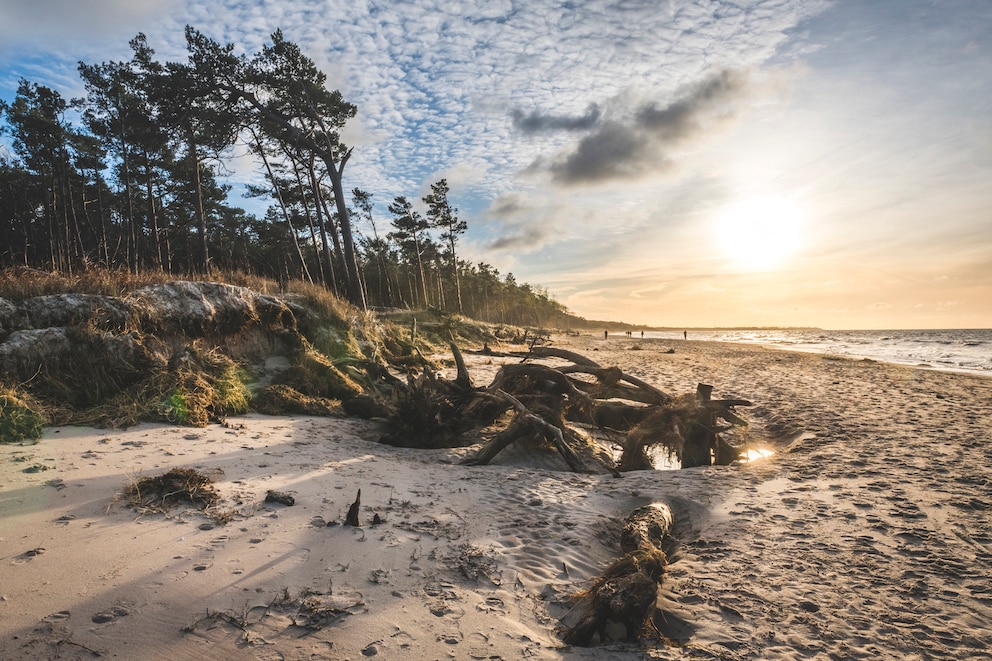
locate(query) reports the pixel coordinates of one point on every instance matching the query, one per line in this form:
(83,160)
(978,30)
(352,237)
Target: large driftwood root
(427,411)
(527,425)
(620,603)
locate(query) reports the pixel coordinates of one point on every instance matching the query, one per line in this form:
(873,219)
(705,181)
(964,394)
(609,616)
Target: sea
(948,350)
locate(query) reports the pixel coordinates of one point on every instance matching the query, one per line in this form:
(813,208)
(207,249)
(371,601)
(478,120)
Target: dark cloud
(615,150)
(681,118)
(536,122)
(526,238)
(631,149)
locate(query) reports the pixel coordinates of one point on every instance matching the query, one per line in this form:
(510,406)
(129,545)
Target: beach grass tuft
(20,417)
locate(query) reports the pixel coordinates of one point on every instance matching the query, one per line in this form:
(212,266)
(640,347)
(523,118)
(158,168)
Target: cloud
(509,205)
(535,122)
(684,118)
(460,176)
(25,24)
(648,289)
(356,133)
(434,83)
(527,237)
(613,152)
(519,223)
(642,144)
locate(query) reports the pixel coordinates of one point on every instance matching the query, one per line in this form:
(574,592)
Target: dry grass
(20,283)
(200,386)
(316,375)
(285,400)
(117,379)
(322,304)
(194,388)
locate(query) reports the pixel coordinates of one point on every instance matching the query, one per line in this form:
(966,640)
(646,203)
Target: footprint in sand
(402,639)
(219,541)
(479,646)
(450,637)
(110,615)
(440,604)
(372,649)
(492,605)
(447,610)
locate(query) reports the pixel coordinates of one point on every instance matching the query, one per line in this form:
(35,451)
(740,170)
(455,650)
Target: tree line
(135,183)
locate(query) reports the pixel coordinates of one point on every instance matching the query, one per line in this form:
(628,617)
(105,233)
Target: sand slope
(866,536)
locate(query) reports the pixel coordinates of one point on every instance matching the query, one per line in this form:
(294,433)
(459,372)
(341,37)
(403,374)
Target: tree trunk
(132,230)
(323,219)
(318,256)
(454,274)
(282,206)
(153,216)
(420,267)
(76,240)
(334,173)
(104,247)
(203,265)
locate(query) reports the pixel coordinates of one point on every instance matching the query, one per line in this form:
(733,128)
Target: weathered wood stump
(352,517)
(701,432)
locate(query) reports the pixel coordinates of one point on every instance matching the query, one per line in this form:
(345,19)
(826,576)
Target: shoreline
(865,536)
(958,350)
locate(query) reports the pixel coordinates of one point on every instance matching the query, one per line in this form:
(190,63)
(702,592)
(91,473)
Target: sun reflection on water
(753,454)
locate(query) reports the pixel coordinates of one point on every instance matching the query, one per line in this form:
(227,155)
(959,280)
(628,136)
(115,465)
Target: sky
(664,162)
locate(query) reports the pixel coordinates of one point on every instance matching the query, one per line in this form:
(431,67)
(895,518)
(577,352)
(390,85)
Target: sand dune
(867,534)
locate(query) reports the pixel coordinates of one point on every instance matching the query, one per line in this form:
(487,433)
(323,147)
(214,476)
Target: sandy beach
(866,535)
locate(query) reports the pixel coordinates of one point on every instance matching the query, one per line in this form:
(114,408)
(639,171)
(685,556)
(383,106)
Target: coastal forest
(130,178)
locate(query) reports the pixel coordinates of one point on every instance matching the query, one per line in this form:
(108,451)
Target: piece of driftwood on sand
(532,403)
(623,597)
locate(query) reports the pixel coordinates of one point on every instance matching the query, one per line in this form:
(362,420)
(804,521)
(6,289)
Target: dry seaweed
(179,486)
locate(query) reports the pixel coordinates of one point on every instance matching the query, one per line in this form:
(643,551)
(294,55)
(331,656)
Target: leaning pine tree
(283,93)
(444,217)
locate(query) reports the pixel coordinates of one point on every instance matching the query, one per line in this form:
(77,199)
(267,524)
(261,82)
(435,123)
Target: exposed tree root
(428,411)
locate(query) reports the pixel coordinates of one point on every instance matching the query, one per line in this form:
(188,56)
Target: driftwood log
(622,599)
(534,403)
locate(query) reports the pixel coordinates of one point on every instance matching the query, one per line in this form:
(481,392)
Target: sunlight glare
(759,233)
(754,454)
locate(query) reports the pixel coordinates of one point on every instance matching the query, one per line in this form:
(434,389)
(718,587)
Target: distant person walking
(685,335)
(606,335)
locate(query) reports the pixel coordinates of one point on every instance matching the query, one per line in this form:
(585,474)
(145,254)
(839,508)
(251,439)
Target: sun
(759,233)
